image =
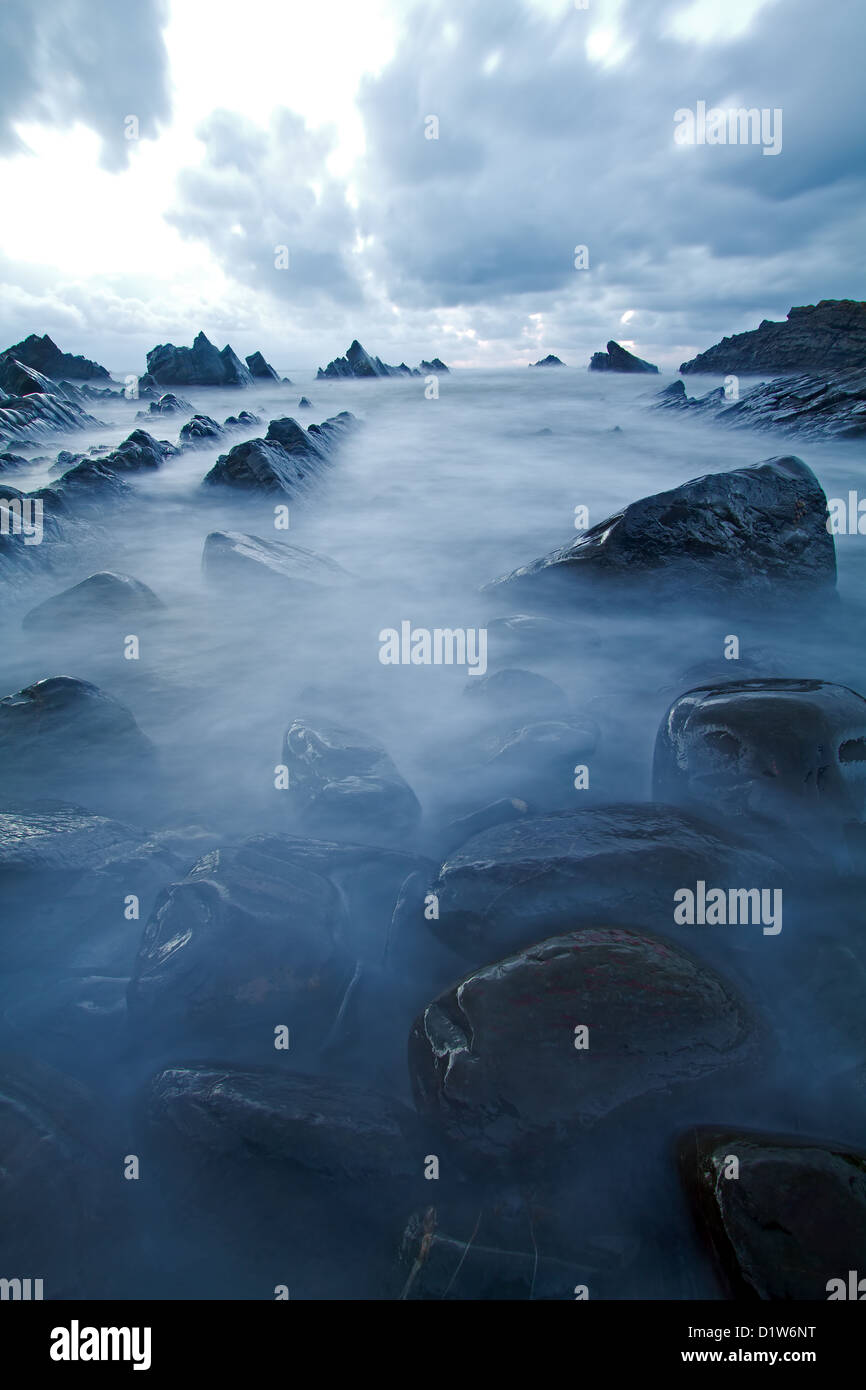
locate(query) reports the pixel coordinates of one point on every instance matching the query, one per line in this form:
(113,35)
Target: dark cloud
(94,61)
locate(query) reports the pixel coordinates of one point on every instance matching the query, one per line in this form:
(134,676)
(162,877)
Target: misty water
(428,501)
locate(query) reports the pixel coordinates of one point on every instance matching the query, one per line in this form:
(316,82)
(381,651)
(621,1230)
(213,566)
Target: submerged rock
(825,337)
(341,778)
(515,691)
(288,460)
(793,1223)
(232,557)
(783,751)
(494,1058)
(166,405)
(100,596)
(618,359)
(520,882)
(759,531)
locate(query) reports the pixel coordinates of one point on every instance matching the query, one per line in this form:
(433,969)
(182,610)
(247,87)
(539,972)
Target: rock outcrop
(45,356)
(551,361)
(359,363)
(200,365)
(825,337)
(261,370)
(287,460)
(618,359)
(818,407)
(232,558)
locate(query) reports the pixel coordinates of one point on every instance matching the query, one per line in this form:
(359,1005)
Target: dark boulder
(11,463)
(46,357)
(99,597)
(494,1058)
(200,431)
(618,359)
(233,558)
(200,365)
(261,370)
(759,531)
(790,1225)
(515,691)
(167,404)
(288,460)
(551,361)
(783,751)
(304,404)
(343,780)
(825,337)
(248,940)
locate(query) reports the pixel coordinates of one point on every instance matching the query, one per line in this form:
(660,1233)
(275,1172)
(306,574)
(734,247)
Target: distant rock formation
(824,337)
(551,361)
(617,359)
(287,460)
(359,363)
(45,356)
(822,407)
(200,365)
(260,369)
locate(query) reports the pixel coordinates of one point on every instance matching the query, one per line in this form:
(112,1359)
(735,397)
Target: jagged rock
(342,779)
(101,596)
(200,431)
(826,337)
(819,407)
(247,938)
(551,361)
(10,463)
(89,483)
(67,737)
(304,404)
(759,531)
(784,751)
(167,404)
(139,451)
(27,419)
(287,460)
(359,363)
(520,882)
(200,365)
(46,357)
(618,359)
(261,370)
(20,380)
(793,1220)
(232,557)
(437,365)
(494,1060)
(63,872)
(242,421)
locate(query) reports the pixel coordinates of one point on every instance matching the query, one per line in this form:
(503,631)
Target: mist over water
(425,503)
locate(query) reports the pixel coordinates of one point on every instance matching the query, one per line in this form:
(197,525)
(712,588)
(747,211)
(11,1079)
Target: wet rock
(200,365)
(261,370)
(543,748)
(343,779)
(825,337)
(20,380)
(242,421)
(46,357)
(65,874)
(502,812)
(518,883)
(139,451)
(101,596)
(784,751)
(167,404)
(548,361)
(792,1222)
(28,419)
(829,406)
(232,557)
(52,1187)
(9,463)
(494,1058)
(200,430)
(68,737)
(90,483)
(759,531)
(618,359)
(245,942)
(515,691)
(288,460)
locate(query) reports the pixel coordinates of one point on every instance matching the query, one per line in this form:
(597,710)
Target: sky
(266,172)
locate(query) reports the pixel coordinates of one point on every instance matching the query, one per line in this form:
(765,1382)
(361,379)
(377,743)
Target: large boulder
(200,365)
(288,460)
(340,779)
(782,751)
(232,558)
(100,597)
(618,359)
(824,337)
(46,357)
(788,1222)
(200,432)
(759,531)
(495,1058)
(248,940)
(520,882)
